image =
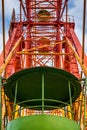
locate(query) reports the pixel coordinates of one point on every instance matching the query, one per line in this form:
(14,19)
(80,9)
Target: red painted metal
(52,28)
(53,24)
(77,45)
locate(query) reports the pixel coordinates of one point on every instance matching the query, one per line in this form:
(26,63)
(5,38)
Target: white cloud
(77,12)
(1,42)
(86,43)
(9,5)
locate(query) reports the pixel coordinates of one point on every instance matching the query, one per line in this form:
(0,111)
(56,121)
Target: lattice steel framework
(43,35)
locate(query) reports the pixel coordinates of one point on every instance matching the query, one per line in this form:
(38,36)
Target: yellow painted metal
(41,53)
(2,68)
(76,55)
(51,45)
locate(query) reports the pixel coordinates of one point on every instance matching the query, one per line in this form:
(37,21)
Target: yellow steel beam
(77,57)
(2,68)
(42,46)
(41,53)
(30,51)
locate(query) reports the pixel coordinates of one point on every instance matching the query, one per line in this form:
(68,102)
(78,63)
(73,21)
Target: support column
(15,99)
(70,96)
(42,93)
(85,88)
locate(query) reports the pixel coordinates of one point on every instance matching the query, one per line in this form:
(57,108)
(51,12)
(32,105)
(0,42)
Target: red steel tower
(43,35)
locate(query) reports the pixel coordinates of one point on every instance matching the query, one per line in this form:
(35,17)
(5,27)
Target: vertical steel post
(85,88)
(20,18)
(15,97)
(70,93)
(70,97)
(42,93)
(66,16)
(0,103)
(83,32)
(3,30)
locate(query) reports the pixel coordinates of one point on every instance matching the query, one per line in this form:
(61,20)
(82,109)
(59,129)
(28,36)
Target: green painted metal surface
(42,122)
(30,86)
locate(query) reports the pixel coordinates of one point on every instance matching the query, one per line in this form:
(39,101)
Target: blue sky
(75,9)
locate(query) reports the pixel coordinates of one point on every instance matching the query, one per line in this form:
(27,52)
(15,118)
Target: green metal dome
(42,122)
(30,87)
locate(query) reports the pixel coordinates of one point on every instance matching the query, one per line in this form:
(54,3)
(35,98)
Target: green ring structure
(43,86)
